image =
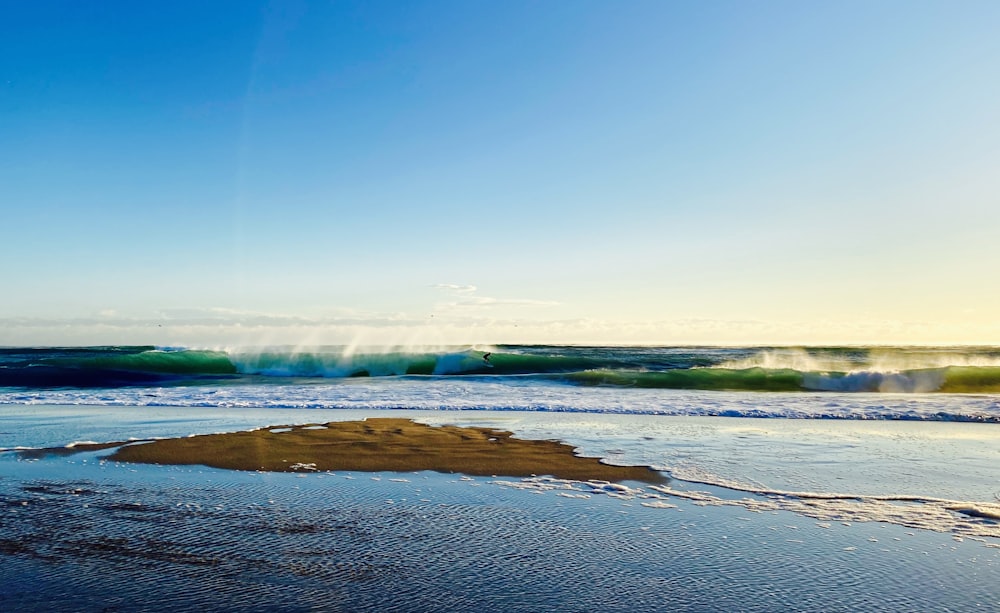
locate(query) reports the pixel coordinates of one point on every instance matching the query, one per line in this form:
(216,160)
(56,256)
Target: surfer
(486,357)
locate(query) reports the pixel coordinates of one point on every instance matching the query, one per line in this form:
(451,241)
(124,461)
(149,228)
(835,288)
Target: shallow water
(873,457)
(735,527)
(86,535)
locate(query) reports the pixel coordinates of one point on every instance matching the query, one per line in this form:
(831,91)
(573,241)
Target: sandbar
(382,444)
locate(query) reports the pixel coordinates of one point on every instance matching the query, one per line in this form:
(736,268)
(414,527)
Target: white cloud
(466,299)
(483,301)
(463,289)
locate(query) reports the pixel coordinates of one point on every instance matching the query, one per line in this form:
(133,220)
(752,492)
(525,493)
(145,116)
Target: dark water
(84,536)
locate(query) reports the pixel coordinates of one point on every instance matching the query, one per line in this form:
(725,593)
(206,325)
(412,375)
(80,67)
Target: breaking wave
(872,370)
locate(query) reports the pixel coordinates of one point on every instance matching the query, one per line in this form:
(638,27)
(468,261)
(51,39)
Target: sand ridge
(382,444)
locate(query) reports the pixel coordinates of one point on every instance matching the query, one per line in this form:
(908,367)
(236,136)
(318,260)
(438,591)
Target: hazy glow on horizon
(456,173)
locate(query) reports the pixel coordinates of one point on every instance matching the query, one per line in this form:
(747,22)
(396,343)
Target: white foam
(659,504)
(939,515)
(78,443)
(987,511)
(876,360)
(936,514)
(461,393)
(909,382)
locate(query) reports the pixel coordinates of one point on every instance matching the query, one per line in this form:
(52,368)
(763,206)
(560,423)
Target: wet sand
(382,444)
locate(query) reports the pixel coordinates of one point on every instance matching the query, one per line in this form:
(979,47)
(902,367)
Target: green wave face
(334,364)
(748,379)
(188,362)
(952,380)
(972,380)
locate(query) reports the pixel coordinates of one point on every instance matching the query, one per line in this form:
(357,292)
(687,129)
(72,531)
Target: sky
(427,172)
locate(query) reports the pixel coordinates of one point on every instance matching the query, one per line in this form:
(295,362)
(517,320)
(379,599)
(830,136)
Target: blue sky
(471,172)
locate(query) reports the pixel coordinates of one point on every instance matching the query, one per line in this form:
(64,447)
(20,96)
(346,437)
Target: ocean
(946,383)
(806,478)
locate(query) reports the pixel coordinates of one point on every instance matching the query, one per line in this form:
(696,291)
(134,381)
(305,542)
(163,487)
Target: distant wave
(874,370)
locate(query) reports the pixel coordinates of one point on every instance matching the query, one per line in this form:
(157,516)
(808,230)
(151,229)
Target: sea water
(84,534)
(782,499)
